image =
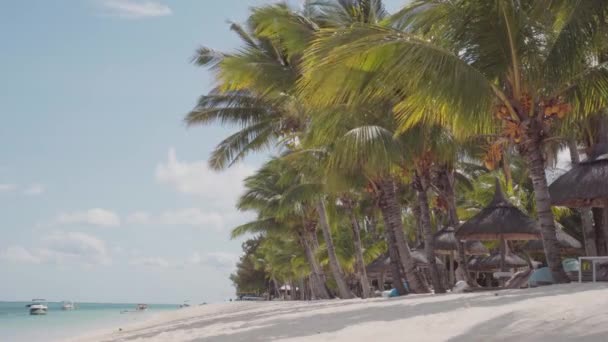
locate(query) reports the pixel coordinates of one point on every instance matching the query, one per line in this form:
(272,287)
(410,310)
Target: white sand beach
(555,313)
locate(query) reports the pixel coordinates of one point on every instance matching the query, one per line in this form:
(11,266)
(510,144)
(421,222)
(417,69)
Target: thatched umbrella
(381,267)
(567,242)
(499,220)
(446,243)
(585,184)
(493,262)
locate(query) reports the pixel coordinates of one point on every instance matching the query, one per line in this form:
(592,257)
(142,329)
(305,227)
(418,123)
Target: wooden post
(452,275)
(503,253)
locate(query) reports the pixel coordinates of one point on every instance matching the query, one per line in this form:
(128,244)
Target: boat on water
(185,305)
(67,305)
(138,308)
(38,307)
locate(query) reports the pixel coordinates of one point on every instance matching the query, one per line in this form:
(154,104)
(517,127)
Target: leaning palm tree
(302,175)
(255,85)
(264,194)
(474,65)
(362,145)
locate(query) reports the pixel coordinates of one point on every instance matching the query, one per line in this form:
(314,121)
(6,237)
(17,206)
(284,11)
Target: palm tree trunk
(419,231)
(391,213)
(534,158)
(585,213)
(396,269)
(447,186)
(506,169)
(421,186)
(317,279)
(598,214)
(334,264)
(301,293)
(604,224)
(359,253)
(276,287)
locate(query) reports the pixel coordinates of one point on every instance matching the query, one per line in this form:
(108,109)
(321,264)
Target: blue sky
(105,195)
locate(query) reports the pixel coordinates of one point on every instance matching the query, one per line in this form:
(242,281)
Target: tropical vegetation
(384,128)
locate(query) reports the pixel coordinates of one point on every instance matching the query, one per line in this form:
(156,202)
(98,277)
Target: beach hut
(446,244)
(493,262)
(585,185)
(489,264)
(379,270)
(567,243)
(499,220)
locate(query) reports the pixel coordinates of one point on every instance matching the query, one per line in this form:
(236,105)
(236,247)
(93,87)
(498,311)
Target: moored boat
(38,307)
(67,305)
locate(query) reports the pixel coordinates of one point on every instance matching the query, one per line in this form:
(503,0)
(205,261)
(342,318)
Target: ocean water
(16,324)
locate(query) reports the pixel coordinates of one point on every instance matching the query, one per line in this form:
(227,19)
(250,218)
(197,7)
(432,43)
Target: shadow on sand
(274,324)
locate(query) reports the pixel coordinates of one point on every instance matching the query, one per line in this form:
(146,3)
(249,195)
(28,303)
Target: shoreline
(552,313)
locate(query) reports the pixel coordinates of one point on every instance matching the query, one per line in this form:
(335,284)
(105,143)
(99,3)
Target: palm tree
(255,85)
(264,194)
(301,171)
(457,62)
(362,145)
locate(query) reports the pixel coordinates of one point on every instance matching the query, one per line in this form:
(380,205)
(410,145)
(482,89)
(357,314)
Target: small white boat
(141,307)
(67,305)
(38,307)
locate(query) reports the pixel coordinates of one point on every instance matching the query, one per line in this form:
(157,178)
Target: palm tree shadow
(508,327)
(396,309)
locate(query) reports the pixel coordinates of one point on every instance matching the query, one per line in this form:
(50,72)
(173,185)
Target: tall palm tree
(301,171)
(362,145)
(474,65)
(255,85)
(264,194)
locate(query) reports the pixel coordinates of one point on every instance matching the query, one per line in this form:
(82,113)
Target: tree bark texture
(395,264)
(421,186)
(317,278)
(585,213)
(534,158)
(391,213)
(362,273)
(334,264)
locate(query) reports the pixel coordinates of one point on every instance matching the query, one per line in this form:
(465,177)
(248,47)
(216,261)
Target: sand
(553,313)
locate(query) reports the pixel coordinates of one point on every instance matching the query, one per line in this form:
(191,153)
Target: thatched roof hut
(499,220)
(585,185)
(383,263)
(446,243)
(492,262)
(567,243)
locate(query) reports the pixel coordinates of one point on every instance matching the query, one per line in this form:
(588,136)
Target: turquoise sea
(17,325)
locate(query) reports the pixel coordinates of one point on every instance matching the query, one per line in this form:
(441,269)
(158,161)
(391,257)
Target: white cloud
(139,217)
(136,9)
(62,248)
(179,217)
(95,217)
(192,217)
(219,260)
(6,187)
(19,254)
(76,247)
(150,262)
(197,178)
(34,190)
